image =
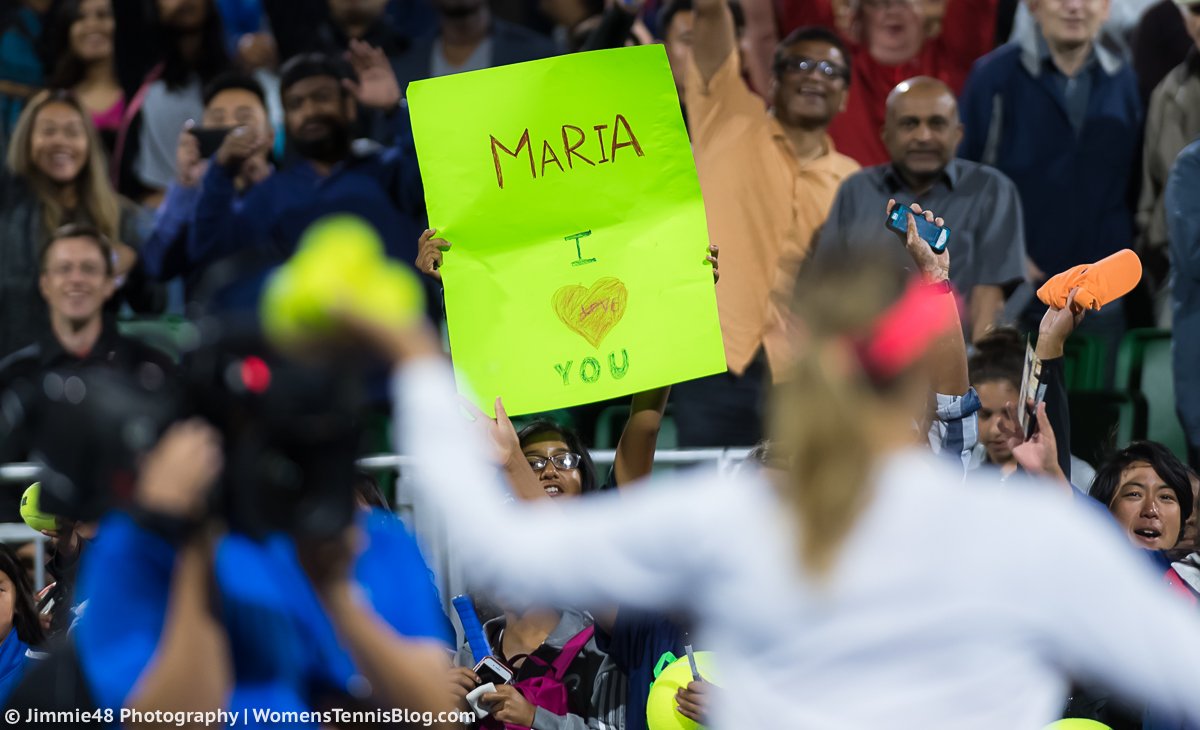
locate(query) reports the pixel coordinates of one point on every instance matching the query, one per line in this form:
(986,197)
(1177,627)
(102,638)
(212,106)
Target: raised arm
(402,671)
(1057,325)
(639,439)
(713,37)
(949,351)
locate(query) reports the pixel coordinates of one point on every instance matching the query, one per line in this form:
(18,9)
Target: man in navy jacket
(332,175)
(1060,116)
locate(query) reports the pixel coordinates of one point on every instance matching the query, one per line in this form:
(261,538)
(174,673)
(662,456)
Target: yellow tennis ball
(34,517)
(1077,723)
(340,263)
(661,712)
(342,242)
(393,295)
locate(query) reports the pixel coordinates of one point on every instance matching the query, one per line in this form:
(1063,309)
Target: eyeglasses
(800,64)
(88,269)
(568,460)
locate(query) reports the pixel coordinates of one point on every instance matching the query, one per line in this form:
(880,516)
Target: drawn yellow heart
(592,313)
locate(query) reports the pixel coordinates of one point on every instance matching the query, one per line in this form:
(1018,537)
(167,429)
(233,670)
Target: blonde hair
(98,204)
(820,414)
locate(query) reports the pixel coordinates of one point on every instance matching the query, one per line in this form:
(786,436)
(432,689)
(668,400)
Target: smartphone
(210,139)
(936,236)
(491,669)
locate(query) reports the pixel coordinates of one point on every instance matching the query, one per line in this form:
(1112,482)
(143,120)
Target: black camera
(291,432)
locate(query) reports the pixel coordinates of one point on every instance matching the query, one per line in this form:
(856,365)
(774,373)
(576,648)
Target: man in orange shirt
(769,175)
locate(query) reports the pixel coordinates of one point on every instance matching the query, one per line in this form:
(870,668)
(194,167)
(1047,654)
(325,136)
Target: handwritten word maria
(573,138)
(590,369)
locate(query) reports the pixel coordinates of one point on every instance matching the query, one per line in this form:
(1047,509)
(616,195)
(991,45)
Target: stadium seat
(1144,367)
(1083,360)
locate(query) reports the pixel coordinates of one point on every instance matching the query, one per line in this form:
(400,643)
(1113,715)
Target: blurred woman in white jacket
(839,595)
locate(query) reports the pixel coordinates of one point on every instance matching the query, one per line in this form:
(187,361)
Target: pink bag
(548,691)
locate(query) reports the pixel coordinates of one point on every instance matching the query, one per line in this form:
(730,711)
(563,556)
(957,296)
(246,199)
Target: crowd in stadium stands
(163,156)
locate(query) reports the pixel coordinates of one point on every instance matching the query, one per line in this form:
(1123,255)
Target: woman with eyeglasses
(829,592)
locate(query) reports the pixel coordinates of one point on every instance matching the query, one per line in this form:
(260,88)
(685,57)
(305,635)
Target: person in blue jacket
(238,624)
(19,624)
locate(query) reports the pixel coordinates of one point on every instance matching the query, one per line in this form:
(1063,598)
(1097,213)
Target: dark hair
(368,491)
(1000,355)
(25,616)
(75,230)
(307,65)
(587,470)
(65,68)
(213,58)
(1172,471)
(813,33)
(674,6)
(234,80)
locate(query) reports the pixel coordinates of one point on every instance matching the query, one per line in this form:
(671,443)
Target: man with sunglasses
(768,174)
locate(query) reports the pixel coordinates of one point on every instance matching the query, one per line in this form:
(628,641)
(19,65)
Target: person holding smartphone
(233,100)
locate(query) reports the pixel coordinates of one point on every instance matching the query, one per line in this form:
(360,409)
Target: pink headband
(904,332)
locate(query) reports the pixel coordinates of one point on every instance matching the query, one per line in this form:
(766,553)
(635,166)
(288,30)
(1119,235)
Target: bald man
(980,205)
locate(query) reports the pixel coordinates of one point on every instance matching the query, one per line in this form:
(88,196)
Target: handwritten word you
(576,149)
(590,368)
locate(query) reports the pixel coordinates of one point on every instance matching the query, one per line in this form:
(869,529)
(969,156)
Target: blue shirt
(382,185)
(285,651)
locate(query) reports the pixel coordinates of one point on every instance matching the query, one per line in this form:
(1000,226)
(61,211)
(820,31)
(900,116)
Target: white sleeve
(595,550)
(1116,623)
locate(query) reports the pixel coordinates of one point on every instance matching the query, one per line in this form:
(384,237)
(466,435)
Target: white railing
(430,534)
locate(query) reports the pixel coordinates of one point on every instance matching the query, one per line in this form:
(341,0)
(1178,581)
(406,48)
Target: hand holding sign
(575,214)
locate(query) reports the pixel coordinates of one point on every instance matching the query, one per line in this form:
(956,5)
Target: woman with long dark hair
(167,50)
(20,627)
(80,56)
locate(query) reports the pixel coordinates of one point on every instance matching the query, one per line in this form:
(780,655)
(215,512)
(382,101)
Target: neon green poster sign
(568,189)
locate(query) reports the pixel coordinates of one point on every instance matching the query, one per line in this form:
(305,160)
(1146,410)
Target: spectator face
(356,12)
(678,44)
(75,282)
(59,143)
(237,108)
(564,12)
(185,15)
(922,130)
(992,418)
(1147,508)
(894,29)
(809,98)
(557,482)
(318,115)
(1069,22)
(1188,538)
(92,31)
(1191,18)
(8,603)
